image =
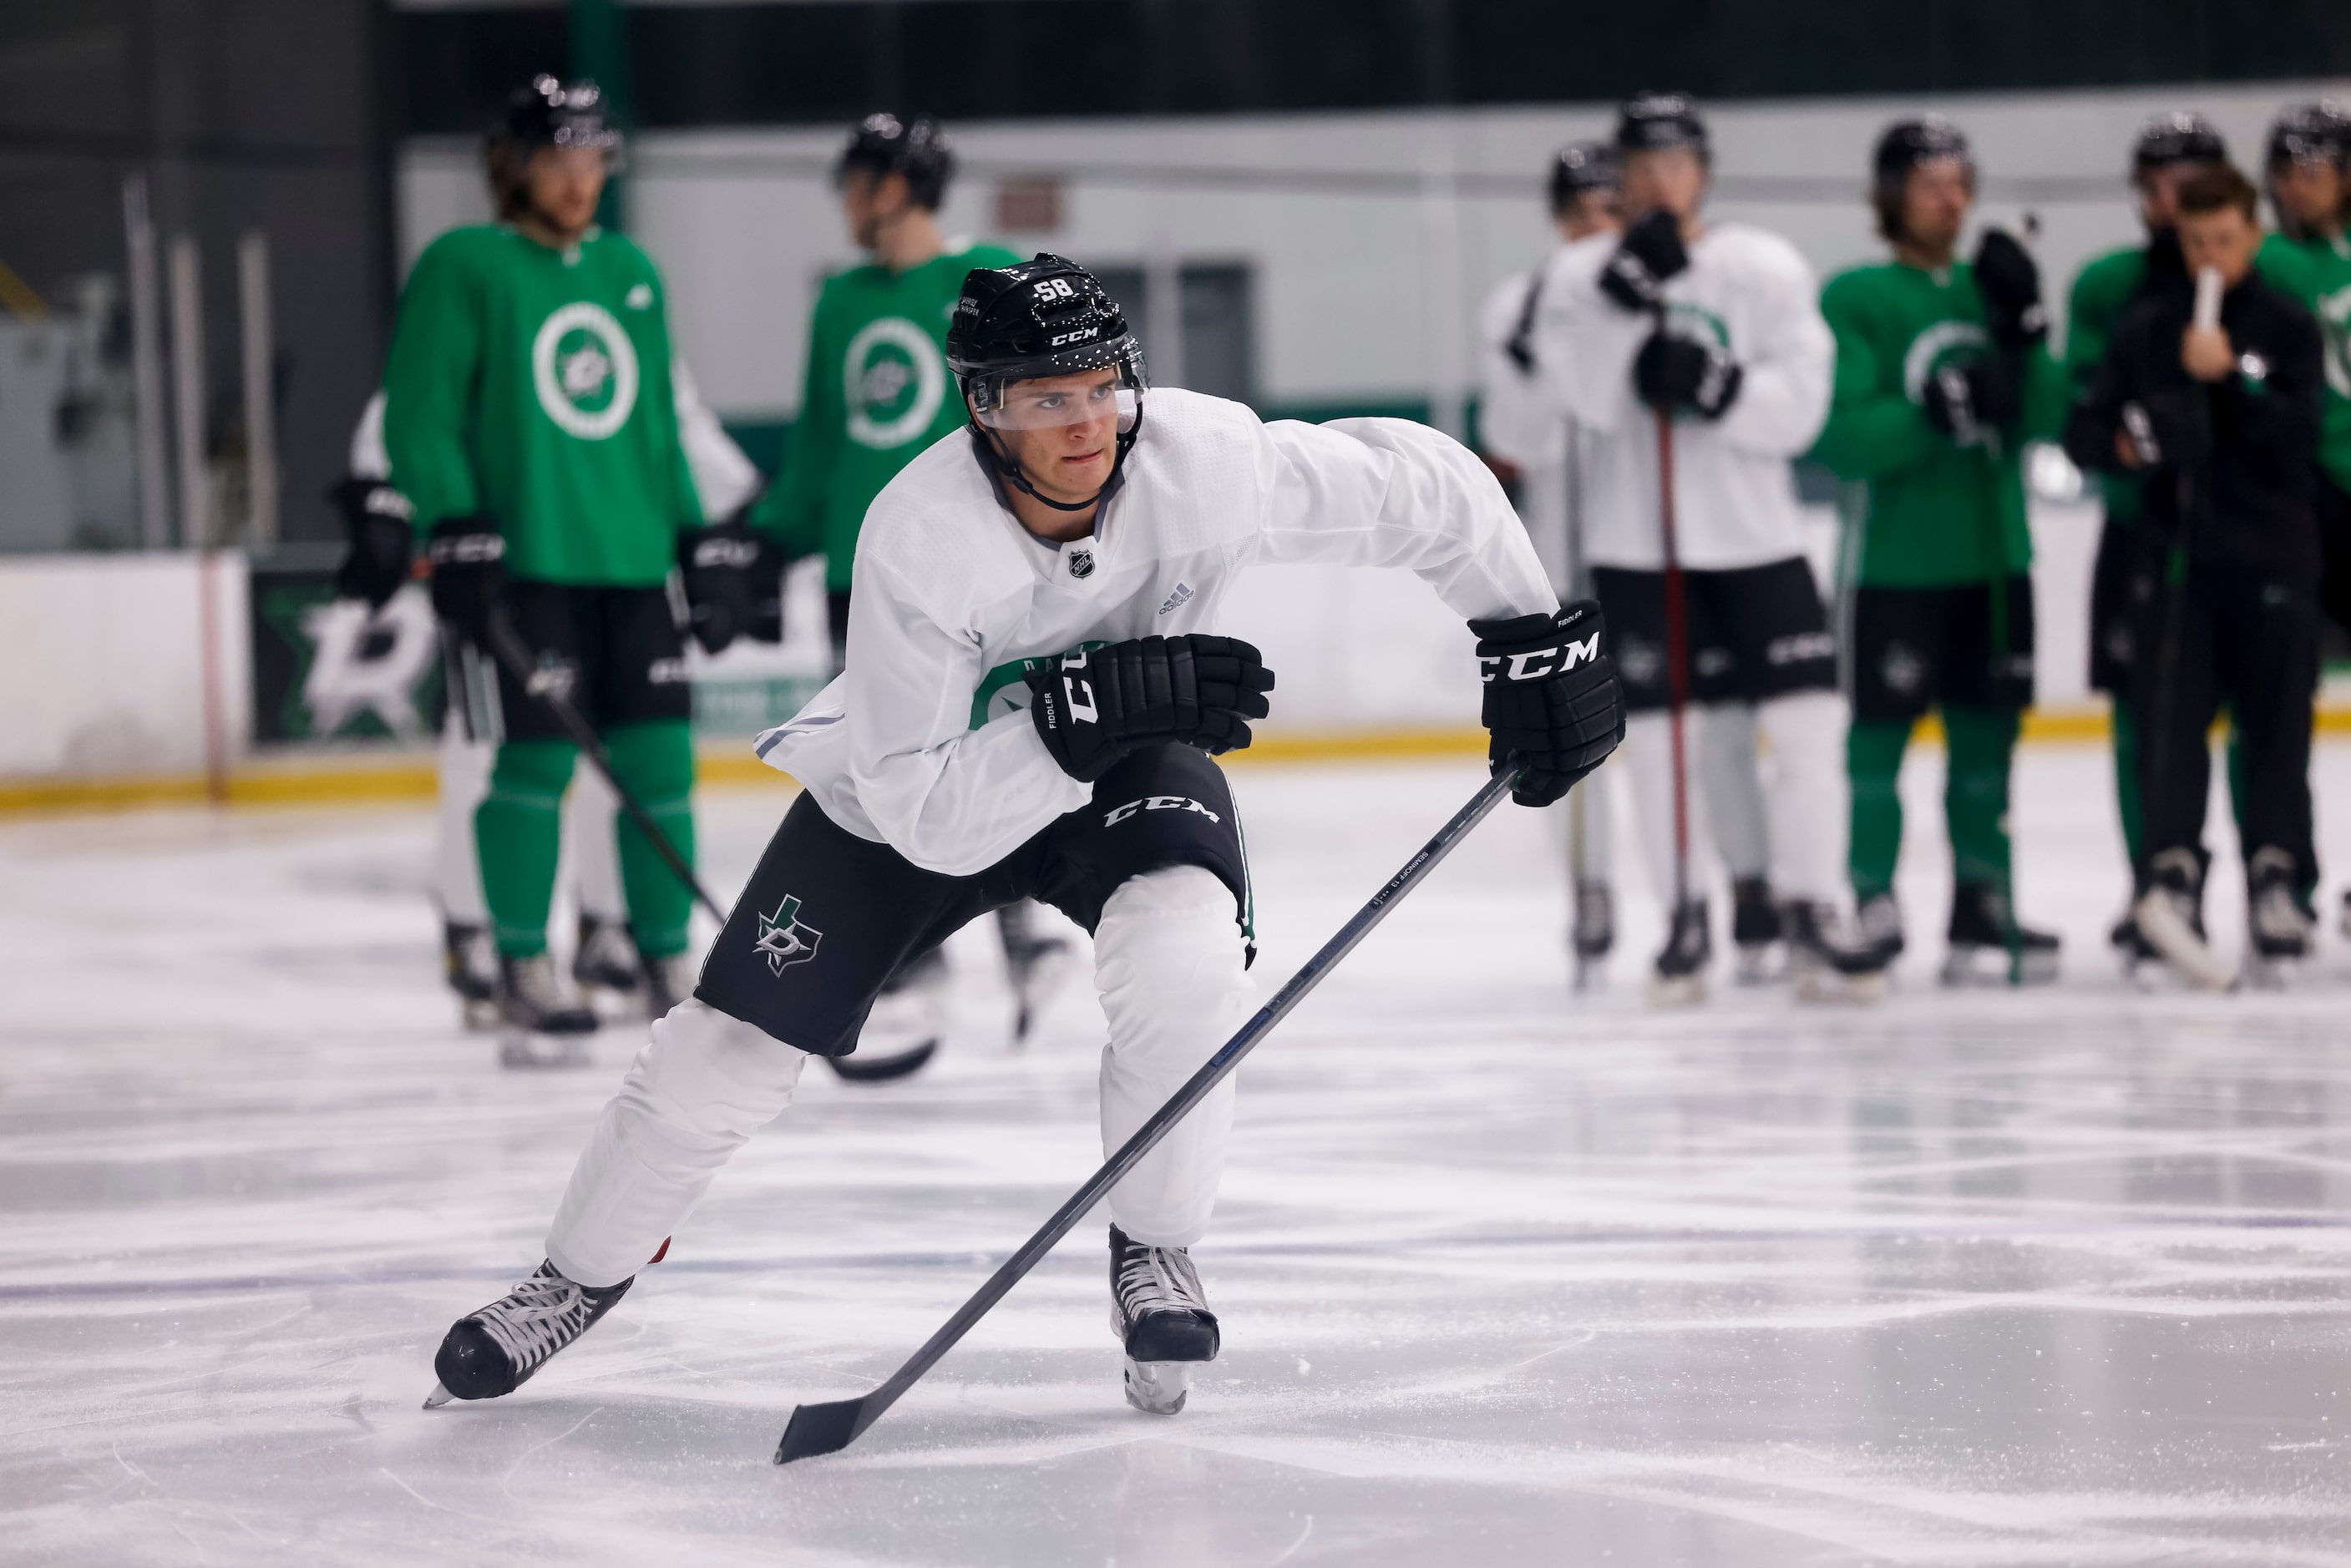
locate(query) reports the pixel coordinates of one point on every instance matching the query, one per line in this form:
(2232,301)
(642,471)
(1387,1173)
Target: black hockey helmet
(2181,136)
(1904,145)
(1649,121)
(884,144)
(1581,167)
(2316,132)
(548,112)
(1044,317)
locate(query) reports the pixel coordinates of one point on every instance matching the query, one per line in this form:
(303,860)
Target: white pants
(1168,963)
(591,852)
(1802,816)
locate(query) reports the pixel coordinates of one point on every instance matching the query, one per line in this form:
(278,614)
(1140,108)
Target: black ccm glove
(721,596)
(1672,373)
(1552,698)
(470,573)
(1091,709)
(2009,282)
(1650,252)
(1967,401)
(376,517)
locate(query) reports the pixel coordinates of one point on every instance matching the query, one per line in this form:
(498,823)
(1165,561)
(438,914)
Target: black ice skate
(1595,931)
(1827,961)
(472,967)
(1988,948)
(1679,977)
(1161,1315)
(2277,925)
(1035,966)
(2343,919)
(1879,918)
(2170,916)
(494,1351)
(1755,932)
(541,1023)
(604,967)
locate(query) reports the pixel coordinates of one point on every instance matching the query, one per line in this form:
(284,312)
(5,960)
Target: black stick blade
(819,1429)
(881,1069)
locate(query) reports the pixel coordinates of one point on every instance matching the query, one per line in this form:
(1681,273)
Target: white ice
(1508,1275)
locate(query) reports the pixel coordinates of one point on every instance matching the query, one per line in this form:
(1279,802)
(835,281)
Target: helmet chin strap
(1004,465)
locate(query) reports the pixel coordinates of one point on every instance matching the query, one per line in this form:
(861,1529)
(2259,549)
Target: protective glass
(1036,405)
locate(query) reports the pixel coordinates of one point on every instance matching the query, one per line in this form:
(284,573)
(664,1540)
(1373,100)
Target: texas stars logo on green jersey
(893,381)
(584,369)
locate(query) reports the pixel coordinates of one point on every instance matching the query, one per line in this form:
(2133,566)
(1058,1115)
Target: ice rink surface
(1508,1275)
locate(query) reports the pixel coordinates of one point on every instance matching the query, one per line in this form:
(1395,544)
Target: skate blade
(1158,1388)
(1827,987)
(438,1397)
(2186,955)
(1979,966)
(478,1017)
(1679,991)
(2271,973)
(1763,963)
(535,1053)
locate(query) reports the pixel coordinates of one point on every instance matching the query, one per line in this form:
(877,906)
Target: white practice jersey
(1519,422)
(723,477)
(1734,497)
(924,742)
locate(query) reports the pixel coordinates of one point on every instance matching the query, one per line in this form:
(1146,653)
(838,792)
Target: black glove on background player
(1965,402)
(721,597)
(470,573)
(1094,708)
(2171,425)
(1650,252)
(1552,698)
(1672,373)
(2009,282)
(768,570)
(376,517)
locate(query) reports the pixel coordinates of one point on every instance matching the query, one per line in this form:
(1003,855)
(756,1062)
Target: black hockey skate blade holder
(831,1426)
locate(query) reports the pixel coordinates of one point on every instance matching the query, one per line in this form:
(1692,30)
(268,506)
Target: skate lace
(1158,1279)
(536,981)
(535,1319)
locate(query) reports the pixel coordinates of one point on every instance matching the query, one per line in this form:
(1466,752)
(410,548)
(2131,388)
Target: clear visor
(1058,400)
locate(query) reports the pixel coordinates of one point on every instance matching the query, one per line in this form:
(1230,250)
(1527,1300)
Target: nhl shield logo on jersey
(783,940)
(584,368)
(1081,563)
(893,382)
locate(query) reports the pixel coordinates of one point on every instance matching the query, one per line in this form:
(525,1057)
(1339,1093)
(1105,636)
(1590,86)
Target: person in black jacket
(2222,421)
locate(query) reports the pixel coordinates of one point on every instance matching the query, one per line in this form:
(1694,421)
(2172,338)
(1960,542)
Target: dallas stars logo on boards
(784,939)
(584,368)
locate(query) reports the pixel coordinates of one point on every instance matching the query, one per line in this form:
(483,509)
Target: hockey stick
(1676,657)
(506,644)
(829,1428)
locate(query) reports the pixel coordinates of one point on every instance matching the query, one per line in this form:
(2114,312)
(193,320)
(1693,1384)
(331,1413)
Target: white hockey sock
(1723,748)
(465,782)
(588,822)
(1648,754)
(1594,797)
(1169,965)
(704,1084)
(1808,795)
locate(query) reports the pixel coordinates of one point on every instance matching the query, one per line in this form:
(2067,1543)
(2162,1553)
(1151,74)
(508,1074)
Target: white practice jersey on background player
(924,744)
(1734,500)
(1520,423)
(723,477)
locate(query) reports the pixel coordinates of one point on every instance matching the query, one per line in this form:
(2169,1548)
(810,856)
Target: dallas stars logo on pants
(783,940)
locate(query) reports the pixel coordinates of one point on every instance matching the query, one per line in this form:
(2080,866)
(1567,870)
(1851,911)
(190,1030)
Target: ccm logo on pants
(1537,665)
(1157,803)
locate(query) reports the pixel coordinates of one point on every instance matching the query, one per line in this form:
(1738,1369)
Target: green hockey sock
(1975,791)
(1873,761)
(516,831)
(655,760)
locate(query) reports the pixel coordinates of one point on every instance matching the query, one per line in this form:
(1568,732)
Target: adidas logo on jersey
(1177,600)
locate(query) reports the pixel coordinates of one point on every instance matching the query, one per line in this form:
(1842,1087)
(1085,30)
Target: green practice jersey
(532,386)
(1920,509)
(2326,289)
(2102,290)
(877,392)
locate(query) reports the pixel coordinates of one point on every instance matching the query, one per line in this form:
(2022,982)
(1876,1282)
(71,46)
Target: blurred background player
(2309,176)
(2172,148)
(1714,330)
(604,961)
(2220,419)
(530,420)
(875,394)
(1943,373)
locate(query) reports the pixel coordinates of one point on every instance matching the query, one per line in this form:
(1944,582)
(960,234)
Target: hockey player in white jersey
(1030,706)
(1695,354)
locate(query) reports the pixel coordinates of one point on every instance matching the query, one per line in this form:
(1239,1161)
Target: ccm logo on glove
(1551,703)
(1538,664)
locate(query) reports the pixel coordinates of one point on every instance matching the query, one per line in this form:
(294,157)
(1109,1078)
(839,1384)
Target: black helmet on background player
(2316,132)
(1580,167)
(1651,121)
(2182,136)
(1046,316)
(1906,144)
(549,112)
(884,144)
